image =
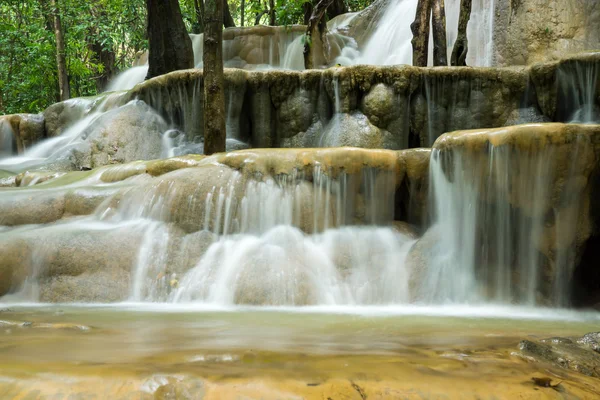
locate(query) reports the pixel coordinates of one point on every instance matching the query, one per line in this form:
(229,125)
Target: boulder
(128,133)
(60,116)
(575,354)
(354,130)
(20,132)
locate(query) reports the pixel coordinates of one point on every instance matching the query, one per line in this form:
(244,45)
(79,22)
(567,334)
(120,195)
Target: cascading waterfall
(390,41)
(498,212)
(128,79)
(577,87)
(7,139)
(284,240)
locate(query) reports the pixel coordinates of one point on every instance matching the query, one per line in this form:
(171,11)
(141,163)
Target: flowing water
(136,351)
(276,275)
(128,78)
(389,42)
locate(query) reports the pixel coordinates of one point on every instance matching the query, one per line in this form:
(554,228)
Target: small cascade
(500,215)
(128,79)
(198,48)
(285,267)
(52,148)
(305,237)
(7,139)
(390,41)
(331,133)
(480,33)
(578,84)
(293,58)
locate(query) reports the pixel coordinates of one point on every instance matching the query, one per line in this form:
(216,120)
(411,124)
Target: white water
(491,226)
(577,85)
(256,252)
(7,138)
(129,78)
(48,149)
(283,266)
(390,42)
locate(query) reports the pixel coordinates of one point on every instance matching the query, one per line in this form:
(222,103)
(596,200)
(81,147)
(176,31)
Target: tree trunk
(307,8)
(103,54)
(440,52)
(242,12)
(227,18)
(61,59)
(214,98)
(314,29)
(461,46)
(105,57)
(272,12)
(336,8)
(420,31)
(169,45)
(199,10)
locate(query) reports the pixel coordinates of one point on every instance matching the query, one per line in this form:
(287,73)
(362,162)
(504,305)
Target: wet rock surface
(19,132)
(400,106)
(131,132)
(577,354)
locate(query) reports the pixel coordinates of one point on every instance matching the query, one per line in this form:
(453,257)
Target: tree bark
(461,46)
(107,58)
(307,8)
(315,28)
(102,54)
(440,51)
(199,10)
(272,12)
(214,98)
(336,8)
(420,30)
(242,12)
(169,45)
(61,59)
(227,18)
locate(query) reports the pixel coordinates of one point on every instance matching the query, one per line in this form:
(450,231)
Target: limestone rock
(128,133)
(550,30)
(353,130)
(60,116)
(20,132)
(566,353)
(21,208)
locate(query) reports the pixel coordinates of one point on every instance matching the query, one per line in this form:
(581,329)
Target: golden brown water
(144,353)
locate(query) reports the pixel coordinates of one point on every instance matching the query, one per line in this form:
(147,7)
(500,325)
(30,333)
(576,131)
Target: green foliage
(28,76)
(102,38)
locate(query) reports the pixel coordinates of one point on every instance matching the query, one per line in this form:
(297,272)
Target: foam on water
(488,311)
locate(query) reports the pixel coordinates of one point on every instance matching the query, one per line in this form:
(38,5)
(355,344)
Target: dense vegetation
(102,37)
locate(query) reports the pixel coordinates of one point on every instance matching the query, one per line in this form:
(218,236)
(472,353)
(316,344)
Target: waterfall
(128,79)
(7,139)
(577,83)
(290,239)
(390,41)
(500,230)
